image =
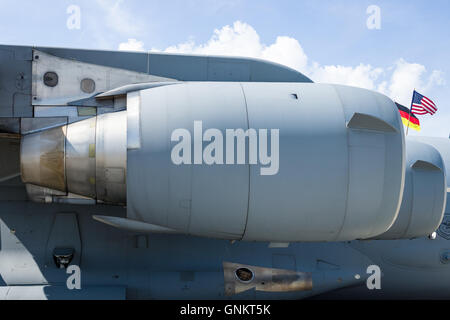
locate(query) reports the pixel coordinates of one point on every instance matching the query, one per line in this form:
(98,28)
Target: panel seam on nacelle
(249,169)
(348,167)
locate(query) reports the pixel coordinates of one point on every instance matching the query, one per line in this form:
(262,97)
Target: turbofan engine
(271,162)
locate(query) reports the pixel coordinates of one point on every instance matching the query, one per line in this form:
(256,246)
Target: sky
(390,46)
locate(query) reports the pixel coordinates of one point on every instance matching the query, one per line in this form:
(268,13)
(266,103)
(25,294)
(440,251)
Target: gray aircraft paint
(118,264)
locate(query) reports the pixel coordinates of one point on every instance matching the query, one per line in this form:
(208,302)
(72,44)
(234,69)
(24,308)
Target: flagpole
(410,112)
(407,128)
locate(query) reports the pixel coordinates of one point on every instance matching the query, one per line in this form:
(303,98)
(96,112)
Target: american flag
(422,105)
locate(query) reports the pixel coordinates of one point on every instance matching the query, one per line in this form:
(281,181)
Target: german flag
(406,114)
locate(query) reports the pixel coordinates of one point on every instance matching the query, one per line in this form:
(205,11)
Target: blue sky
(327,40)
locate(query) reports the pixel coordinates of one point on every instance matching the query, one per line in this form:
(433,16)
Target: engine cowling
(252,161)
(424,198)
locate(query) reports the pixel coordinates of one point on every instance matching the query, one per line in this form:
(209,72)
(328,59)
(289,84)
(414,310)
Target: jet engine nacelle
(425,194)
(252,161)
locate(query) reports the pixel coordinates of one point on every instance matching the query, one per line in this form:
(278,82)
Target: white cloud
(364,76)
(242,39)
(396,81)
(239,40)
(287,51)
(405,77)
(132,45)
(119,18)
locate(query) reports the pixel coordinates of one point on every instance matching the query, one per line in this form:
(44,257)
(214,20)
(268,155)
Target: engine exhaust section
(87,159)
